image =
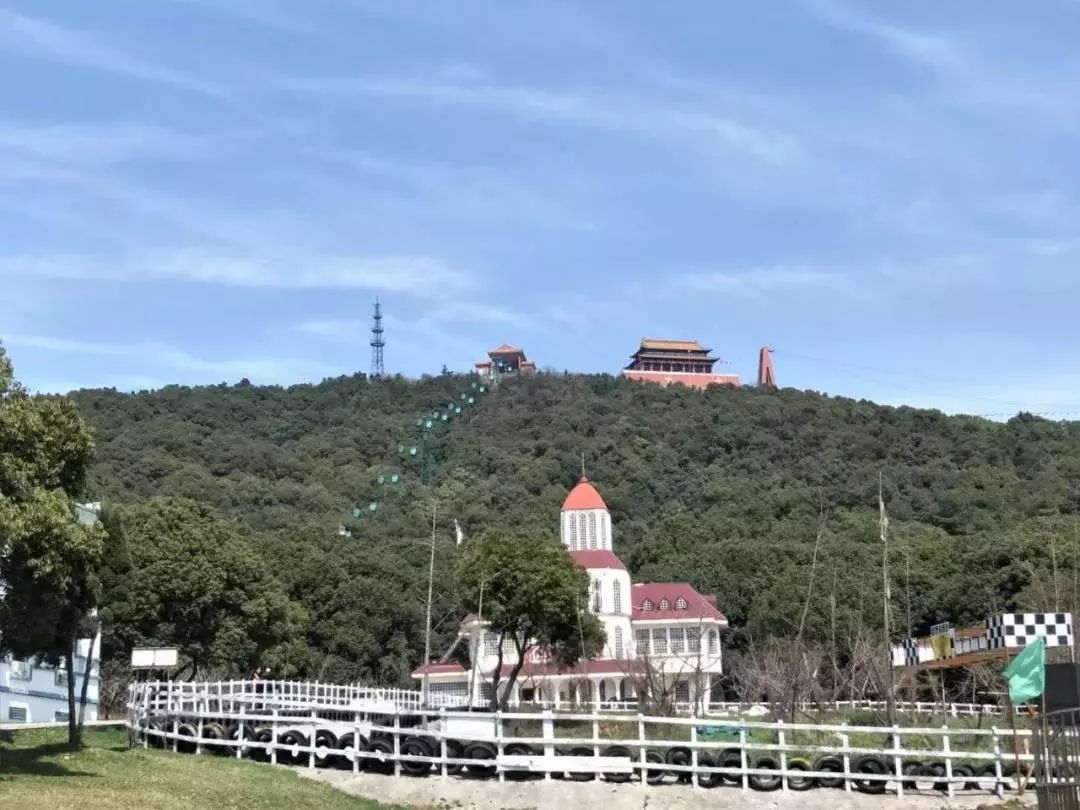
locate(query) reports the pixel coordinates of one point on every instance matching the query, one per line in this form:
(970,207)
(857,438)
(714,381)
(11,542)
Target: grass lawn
(37,770)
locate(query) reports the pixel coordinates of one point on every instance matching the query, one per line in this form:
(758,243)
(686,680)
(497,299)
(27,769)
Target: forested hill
(724,488)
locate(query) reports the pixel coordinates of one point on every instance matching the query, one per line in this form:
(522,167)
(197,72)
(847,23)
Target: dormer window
(665,604)
(680,604)
(647,605)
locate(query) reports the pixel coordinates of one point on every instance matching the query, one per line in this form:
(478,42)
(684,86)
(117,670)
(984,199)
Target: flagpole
(884,525)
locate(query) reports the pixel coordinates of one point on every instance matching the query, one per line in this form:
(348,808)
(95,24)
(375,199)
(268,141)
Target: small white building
(662,637)
(34,693)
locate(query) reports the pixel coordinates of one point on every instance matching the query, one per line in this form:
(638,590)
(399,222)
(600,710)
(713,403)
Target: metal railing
(350,727)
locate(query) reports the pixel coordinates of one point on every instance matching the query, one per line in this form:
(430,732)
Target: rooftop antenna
(582,465)
(377,343)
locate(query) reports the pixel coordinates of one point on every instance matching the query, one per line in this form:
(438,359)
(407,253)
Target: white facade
(667,630)
(34,693)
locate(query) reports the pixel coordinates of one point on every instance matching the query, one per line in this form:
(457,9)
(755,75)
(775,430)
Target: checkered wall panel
(1020,629)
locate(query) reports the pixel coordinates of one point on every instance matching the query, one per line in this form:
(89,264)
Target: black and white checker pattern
(1020,629)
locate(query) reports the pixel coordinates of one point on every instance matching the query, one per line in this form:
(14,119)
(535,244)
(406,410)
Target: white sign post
(154,658)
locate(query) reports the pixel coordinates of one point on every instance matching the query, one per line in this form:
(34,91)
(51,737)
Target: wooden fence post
(273,736)
(898,761)
(947,750)
(847,758)
(783,755)
(743,758)
(694,757)
(999,785)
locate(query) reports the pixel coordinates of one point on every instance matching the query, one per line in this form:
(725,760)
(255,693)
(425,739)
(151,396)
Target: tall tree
(196,582)
(48,561)
(534,596)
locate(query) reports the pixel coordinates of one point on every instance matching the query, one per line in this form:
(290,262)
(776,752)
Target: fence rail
(356,727)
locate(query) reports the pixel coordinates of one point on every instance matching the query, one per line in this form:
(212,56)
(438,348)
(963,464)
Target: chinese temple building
(506,359)
(661,633)
(682,362)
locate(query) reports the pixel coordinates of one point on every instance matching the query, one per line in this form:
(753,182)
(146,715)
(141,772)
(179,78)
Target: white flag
(457,531)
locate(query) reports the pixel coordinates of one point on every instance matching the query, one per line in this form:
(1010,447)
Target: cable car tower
(377,344)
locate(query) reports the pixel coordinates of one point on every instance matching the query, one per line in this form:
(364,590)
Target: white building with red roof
(662,637)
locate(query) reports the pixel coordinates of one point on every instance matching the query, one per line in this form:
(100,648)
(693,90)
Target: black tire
(871,766)
(965,772)
(579,776)
(654,776)
(617,751)
(518,750)
(679,756)
(911,770)
(830,764)
(215,731)
(480,751)
(454,750)
(244,743)
(350,749)
(731,758)
(383,750)
(708,780)
(798,782)
(765,782)
(325,742)
(262,735)
(185,746)
(416,747)
(156,740)
(293,753)
(987,777)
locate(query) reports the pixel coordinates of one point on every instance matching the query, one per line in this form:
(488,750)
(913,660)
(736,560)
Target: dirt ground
(566,795)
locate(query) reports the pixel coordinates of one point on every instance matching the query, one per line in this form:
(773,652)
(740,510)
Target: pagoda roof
(671,345)
(506,348)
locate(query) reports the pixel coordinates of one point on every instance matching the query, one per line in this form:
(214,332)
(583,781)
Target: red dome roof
(583,496)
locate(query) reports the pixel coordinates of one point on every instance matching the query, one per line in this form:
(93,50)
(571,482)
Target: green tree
(48,561)
(535,596)
(198,583)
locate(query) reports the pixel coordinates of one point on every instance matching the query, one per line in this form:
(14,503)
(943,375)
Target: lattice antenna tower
(377,343)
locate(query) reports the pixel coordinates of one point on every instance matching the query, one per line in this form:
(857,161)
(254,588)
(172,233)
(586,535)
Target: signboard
(153,658)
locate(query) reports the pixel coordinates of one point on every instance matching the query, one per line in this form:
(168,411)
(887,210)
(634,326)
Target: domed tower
(586,522)
(585,529)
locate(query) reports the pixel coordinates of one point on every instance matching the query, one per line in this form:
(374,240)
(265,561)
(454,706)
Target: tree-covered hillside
(725,489)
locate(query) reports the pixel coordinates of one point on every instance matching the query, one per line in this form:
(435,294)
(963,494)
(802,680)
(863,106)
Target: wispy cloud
(420,276)
(760,279)
(100,144)
(160,355)
(38,38)
(646,118)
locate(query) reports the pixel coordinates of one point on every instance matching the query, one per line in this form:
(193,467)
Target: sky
(199,191)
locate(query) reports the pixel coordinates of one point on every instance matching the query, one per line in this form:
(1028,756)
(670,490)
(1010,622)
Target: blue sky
(196,191)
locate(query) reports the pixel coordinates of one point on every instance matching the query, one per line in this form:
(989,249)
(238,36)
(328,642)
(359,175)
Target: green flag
(1027,672)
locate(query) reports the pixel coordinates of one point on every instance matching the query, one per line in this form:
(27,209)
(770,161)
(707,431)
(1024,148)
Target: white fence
(385,730)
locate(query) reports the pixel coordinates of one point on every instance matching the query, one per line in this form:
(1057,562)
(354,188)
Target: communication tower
(377,343)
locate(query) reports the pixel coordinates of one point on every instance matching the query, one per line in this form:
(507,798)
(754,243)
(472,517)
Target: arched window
(596,596)
(665,604)
(616,597)
(714,642)
(618,642)
(680,604)
(592,529)
(583,543)
(571,528)
(646,605)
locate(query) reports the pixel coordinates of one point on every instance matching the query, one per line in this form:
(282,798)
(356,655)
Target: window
(618,642)
(659,641)
(641,638)
(647,605)
(571,525)
(714,642)
(509,650)
(491,644)
(693,640)
(682,692)
(592,529)
(616,597)
(22,670)
(665,604)
(60,717)
(597,603)
(680,604)
(17,714)
(678,644)
(61,678)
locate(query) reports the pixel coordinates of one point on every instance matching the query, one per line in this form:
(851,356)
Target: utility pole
(884,526)
(427,620)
